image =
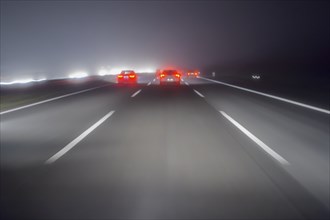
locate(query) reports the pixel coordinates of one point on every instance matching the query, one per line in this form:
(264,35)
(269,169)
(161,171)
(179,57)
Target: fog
(53,38)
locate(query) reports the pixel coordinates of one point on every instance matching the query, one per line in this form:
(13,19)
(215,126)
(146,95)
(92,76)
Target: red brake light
(196,74)
(132,76)
(177,75)
(162,75)
(120,76)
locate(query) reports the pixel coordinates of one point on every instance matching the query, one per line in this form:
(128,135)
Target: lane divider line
(270,96)
(149,84)
(49,100)
(137,92)
(77,139)
(261,144)
(154,80)
(186,83)
(198,93)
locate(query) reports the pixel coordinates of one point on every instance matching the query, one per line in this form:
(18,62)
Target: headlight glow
(77,75)
(22,81)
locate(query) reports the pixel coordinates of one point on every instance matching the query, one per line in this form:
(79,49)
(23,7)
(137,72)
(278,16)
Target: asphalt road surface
(201,150)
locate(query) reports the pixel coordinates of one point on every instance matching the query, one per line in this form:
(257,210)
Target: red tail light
(162,75)
(196,74)
(120,76)
(178,75)
(132,76)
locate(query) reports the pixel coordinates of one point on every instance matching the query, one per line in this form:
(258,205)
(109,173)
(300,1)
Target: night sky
(54,38)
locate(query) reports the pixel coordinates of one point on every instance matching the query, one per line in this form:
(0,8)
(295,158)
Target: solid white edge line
(198,93)
(137,92)
(49,100)
(270,96)
(261,144)
(77,139)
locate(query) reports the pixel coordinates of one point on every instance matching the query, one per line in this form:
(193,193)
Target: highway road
(202,150)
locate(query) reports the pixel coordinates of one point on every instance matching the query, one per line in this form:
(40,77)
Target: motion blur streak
(270,96)
(78,75)
(78,139)
(165,154)
(49,100)
(22,81)
(167,68)
(272,153)
(198,93)
(135,94)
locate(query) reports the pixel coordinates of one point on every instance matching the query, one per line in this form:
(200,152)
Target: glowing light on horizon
(23,81)
(78,75)
(115,71)
(146,70)
(103,71)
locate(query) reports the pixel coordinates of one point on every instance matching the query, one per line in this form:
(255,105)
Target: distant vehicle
(127,76)
(170,77)
(255,76)
(192,74)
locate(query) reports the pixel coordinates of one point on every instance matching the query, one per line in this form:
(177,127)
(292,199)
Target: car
(192,74)
(170,77)
(127,77)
